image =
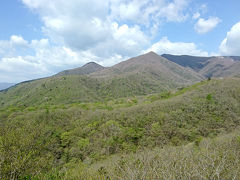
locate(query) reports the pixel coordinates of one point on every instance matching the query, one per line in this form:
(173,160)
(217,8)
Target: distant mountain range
(194,62)
(150,65)
(219,66)
(4,85)
(145,74)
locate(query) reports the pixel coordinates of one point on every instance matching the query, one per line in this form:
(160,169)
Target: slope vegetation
(206,158)
(74,136)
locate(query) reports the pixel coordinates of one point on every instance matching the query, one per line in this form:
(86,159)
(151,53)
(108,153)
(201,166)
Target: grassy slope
(62,136)
(76,89)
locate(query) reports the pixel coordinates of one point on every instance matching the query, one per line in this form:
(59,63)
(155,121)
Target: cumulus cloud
(205,25)
(164,46)
(88,24)
(230,45)
(16,45)
(174,11)
(18,40)
(42,59)
(144,11)
(15,69)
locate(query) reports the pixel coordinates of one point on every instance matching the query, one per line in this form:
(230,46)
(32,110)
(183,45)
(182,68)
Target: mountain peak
(88,68)
(91,63)
(151,66)
(151,53)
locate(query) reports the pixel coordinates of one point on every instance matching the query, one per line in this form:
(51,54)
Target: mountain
(236,58)
(145,74)
(221,67)
(153,66)
(5,85)
(215,66)
(86,69)
(218,66)
(233,70)
(194,62)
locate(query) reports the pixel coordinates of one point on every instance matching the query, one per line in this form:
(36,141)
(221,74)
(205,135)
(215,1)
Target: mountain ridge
(142,63)
(212,66)
(87,68)
(141,75)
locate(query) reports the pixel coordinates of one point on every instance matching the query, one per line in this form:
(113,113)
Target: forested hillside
(67,140)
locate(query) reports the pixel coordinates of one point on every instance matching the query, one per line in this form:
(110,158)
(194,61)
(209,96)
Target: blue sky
(38,38)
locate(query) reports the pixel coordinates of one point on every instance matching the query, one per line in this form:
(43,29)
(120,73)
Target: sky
(39,38)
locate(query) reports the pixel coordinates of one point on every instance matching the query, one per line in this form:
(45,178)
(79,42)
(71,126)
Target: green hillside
(62,141)
(76,89)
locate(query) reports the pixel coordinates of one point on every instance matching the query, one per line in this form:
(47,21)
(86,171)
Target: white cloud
(16,45)
(196,15)
(40,59)
(125,41)
(164,46)
(100,30)
(15,69)
(174,10)
(87,24)
(43,59)
(205,25)
(230,45)
(142,11)
(18,40)
(43,43)
(126,10)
